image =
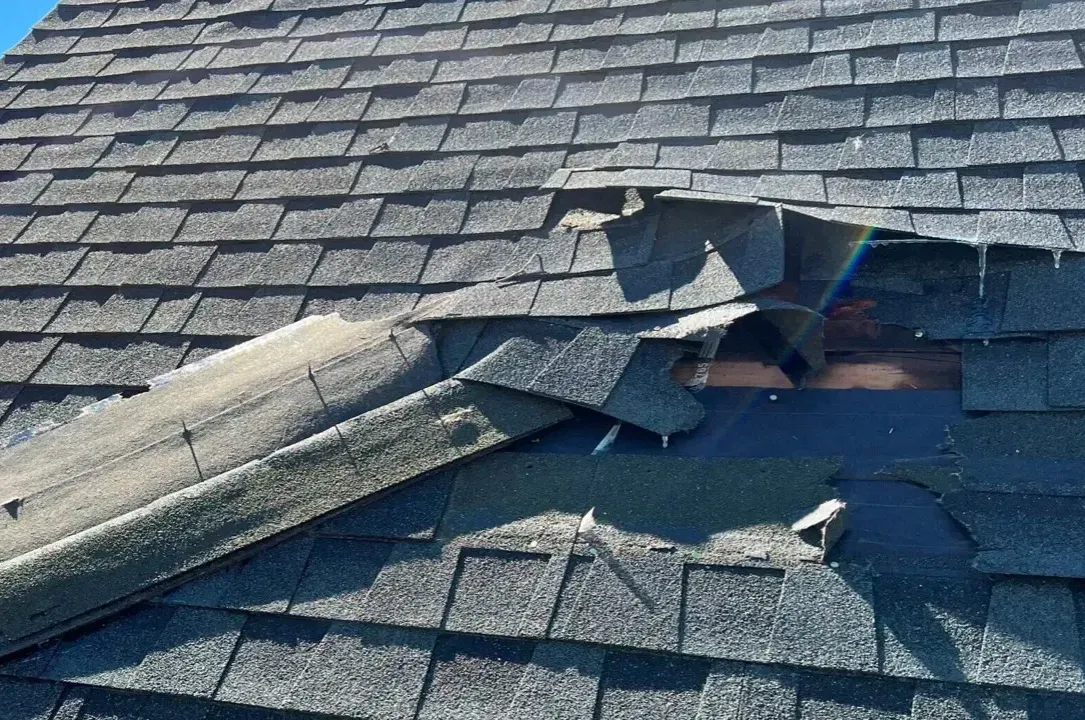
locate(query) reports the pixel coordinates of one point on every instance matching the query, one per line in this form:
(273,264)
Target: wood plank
(858,370)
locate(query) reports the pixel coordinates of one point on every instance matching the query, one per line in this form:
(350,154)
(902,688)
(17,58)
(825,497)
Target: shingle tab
(730,611)
(360,670)
(300,179)
(472,674)
(825,619)
(1031,638)
(181,186)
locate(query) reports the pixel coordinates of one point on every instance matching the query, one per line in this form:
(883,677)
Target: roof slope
(535,206)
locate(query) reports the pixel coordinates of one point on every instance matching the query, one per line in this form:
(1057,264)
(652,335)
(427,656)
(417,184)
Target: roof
(338,345)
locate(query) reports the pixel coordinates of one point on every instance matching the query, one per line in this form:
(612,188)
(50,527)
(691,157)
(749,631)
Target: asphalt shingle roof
(524,206)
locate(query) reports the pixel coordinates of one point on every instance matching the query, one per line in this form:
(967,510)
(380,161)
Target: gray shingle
(924,62)
(338,577)
(146,117)
(59,155)
(409,216)
(12,222)
(28,310)
(640,51)
(30,700)
(561,681)
(300,179)
(928,188)
(173,311)
(216,113)
(978,99)
(992,188)
(1042,96)
(487,97)
(12,154)
(50,266)
(181,186)
(918,104)
(671,120)
(337,20)
(1053,186)
(108,656)
(190,653)
(37,123)
(312,221)
(315,76)
(598,606)
(22,189)
(264,52)
(875,66)
(1065,352)
(733,45)
(825,619)
(942,147)
(252,27)
(264,582)
(746,116)
(142,60)
(248,221)
(60,226)
(808,187)
(943,644)
(233,265)
(85,187)
(70,67)
(1035,229)
(38,406)
(327,140)
(110,361)
(493,591)
(412,587)
(138,150)
(51,95)
(978,21)
(1004,375)
(347,46)
(271,656)
(394,262)
(471,675)
(878,149)
(208,149)
(935,700)
(822,109)
(650,685)
(21,355)
(1045,54)
(1031,637)
(138,37)
(502,213)
(203,84)
(730,611)
(364,670)
(244,312)
(780,74)
(1012,142)
(981,59)
(355,304)
(411,513)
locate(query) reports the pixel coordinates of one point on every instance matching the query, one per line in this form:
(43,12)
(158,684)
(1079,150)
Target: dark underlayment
(543,360)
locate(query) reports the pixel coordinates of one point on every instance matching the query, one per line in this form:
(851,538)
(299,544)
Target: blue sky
(17,17)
